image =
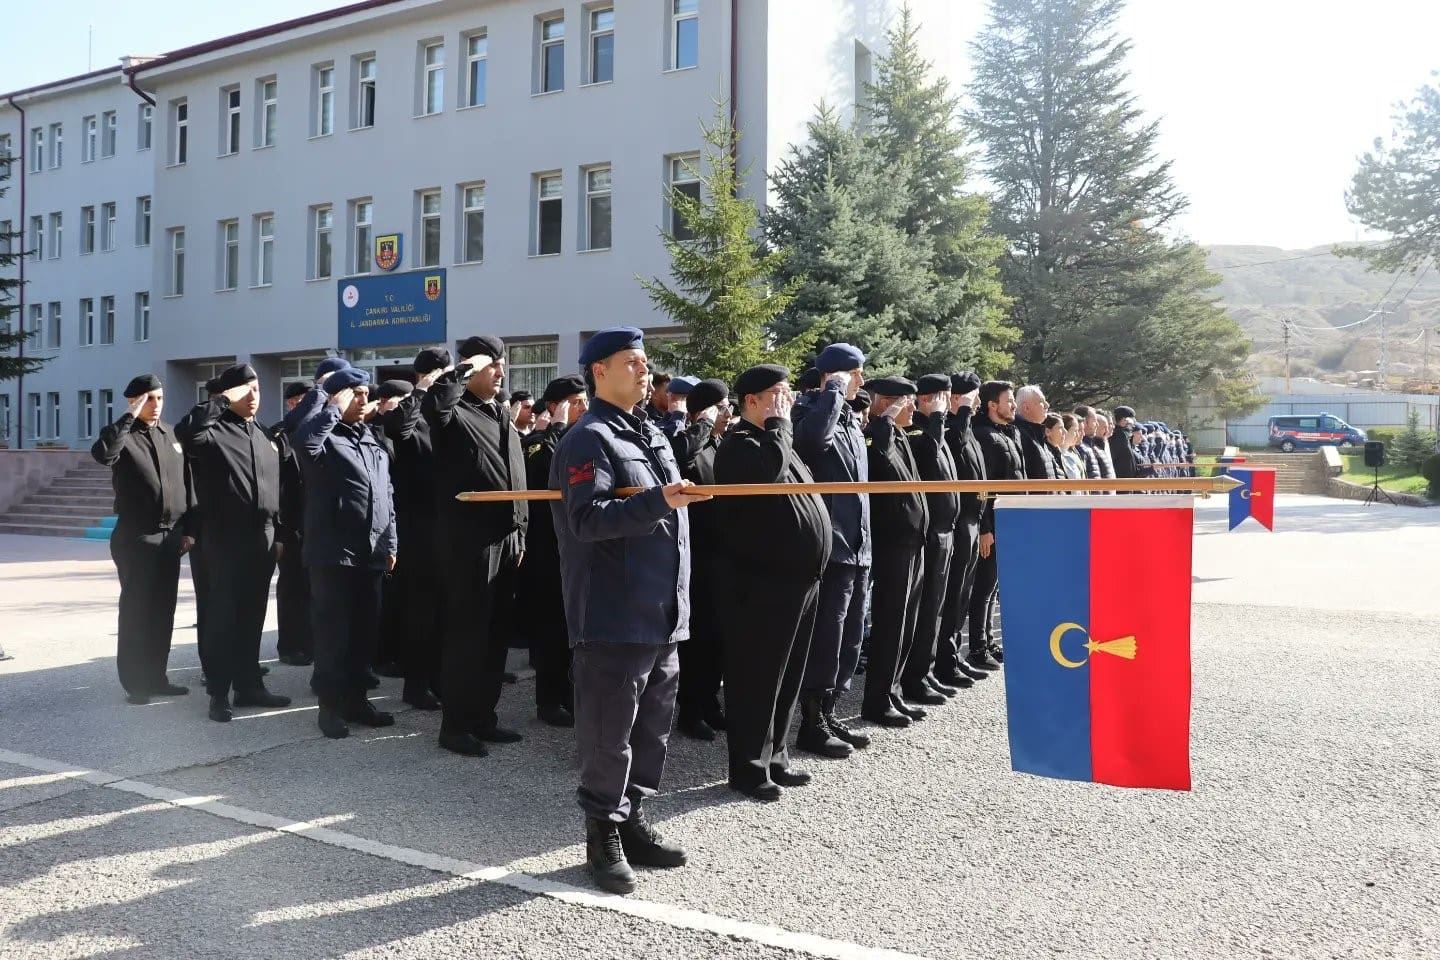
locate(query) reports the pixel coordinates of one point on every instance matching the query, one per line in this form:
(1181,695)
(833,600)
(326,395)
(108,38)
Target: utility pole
(1286,324)
(1384,348)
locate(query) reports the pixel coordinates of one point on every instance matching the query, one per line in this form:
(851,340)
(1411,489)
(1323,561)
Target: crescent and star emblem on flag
(1123,647)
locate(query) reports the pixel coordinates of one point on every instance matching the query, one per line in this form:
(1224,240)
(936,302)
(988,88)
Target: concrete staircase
(1294,472)
(78,504)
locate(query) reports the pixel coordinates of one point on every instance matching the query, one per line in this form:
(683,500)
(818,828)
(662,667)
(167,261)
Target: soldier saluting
(147,469)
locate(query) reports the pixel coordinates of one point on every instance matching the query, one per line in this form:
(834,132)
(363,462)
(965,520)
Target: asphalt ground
(1312,829)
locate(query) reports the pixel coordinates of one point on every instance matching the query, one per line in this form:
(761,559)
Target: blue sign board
(393,310)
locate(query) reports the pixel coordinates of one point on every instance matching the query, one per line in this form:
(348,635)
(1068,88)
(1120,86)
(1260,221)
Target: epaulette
(534,448)
(869,442)
(913,433)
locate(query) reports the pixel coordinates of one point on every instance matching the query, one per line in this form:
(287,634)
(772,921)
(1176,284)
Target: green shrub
(1431,472)
(1385,435)
(1412,446)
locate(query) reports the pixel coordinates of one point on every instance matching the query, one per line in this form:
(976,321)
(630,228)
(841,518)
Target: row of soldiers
(354,496)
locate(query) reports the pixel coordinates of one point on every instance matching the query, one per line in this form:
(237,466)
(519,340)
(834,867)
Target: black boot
(953,678)
(220,709)
(331,723)
(920,693)
(555,715)
(909,709)
(605,852)
(419,697)
(784,775)
(997,652)
(258,696)
(643,845)
(815,736)
(360,710)
(838,727)
(715,717)
(934,683)
(693,725)
(980,660)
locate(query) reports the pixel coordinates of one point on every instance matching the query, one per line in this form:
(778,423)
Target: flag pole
(1193,486)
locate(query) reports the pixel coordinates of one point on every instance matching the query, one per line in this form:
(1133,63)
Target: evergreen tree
(12,247)
(1108,308)
(1412,446)
(724,292)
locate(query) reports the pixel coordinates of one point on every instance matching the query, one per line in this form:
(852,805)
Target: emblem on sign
(350,296)
(432,288)
(387,251)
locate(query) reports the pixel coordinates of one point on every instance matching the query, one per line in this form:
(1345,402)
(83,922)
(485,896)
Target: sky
(1264,105)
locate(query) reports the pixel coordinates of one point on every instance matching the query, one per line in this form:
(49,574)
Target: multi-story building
(517,151)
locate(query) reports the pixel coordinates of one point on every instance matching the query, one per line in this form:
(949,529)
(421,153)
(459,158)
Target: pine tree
(1412,446)
(11,366)
(724,292)
(1109,309)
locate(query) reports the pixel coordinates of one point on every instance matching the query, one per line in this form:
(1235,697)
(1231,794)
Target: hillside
(1318,292)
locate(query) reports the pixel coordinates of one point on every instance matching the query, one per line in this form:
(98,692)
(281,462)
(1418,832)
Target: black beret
(562,388)
(706,394)
(760,378)
(348,378)
(212,386)
(680,386)
(1122,412)
(520,396)
(296,389)
(330,365)
(236,376)
(932,383)
(492,347)
(839,357)
(141,385)
(891,387)
(810,379)
(394,388)
(966,382)
(610,341)
(861,403)
(431,359)
(501,397)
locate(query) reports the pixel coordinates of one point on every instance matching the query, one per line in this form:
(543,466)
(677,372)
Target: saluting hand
(137,404)
(677,495)
(428,380)
(342,398)
(235,393)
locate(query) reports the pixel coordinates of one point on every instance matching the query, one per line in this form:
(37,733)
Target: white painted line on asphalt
(663,913)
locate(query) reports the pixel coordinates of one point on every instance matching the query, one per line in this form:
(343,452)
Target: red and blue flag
(1095,611)
(1255,497)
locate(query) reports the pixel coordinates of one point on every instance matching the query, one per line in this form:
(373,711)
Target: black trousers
(839,629)
(958,591)
(920,658)
(149,568)
(982,603)
(894,609)
(414,605)
(480,580)
(292,603)
(238,568)
(543,612)
(200,578)
(345,604)
(702,656)
(624,707)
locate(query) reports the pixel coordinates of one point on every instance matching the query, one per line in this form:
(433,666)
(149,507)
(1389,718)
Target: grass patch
(1394,478)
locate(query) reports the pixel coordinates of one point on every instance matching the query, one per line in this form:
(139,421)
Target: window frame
(432,78)
(467,210)
(231,120)
(678,17)
(677,163)
(85,421)
(57,145)
(593,38)
(531,374)
(546,46)
(267,118)
(87,230)
(109,225)
(142,316)
(53,406)
(180,132)
(54,326)
(144,220)
(324,97)
(109,133)
(264,226)
(37,149)
(362,98)
(89,139)
(56,231)
(107,320)
(477,68)
(558,197)
(87,322)
(591,196)
(145,128)
(229,248)
(175,282)
(361,249)
(426,218)
(319,212)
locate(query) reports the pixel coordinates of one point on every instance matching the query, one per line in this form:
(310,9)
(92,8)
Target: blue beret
(932,383)
(680,386)
(343,379)
(760,378)
(330,365)
(890,387)
(839,357)
(610,341)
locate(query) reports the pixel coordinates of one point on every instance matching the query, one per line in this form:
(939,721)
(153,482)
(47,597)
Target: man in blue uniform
(625,570)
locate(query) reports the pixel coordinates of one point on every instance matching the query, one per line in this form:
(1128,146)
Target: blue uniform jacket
(349,505)
(624,563)
(828,439)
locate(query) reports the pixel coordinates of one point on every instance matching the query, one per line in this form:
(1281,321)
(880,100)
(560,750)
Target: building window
(684,34)
(146,126)
(323,252)
(269,112)
(33,401)
(87,230)
(142,221)
(110,129)
(53,414)
(602,46)
(365,93)
(107,226)
(430,228)
(473,216)
(142,316)
(57,145)
(597,208)
(684,180)
(107,406)
(552,55)
(264,250)
(361,212)
(549,204)
(90,134)
(85,427)
(230,125)
(57,235)
(107,319)
(477,52)
(181,134)
(87,322)
(433,63)
(297,370)
(324,101)
(37,322)
(229,255)
(37,238)
(5,417)
(37,149)
(7,238)
(4,153)
(177,262)
(531,366)
(52,334)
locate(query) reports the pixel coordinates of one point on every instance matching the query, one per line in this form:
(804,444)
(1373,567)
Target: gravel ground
(1312,830)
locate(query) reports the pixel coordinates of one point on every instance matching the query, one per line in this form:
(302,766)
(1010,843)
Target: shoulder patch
(869,442)
(534,449)
(585,473)
(913,433)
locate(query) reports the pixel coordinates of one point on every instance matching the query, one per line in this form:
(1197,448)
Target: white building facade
(520,150)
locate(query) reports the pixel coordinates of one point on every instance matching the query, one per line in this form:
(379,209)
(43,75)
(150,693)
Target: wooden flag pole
(1194,486)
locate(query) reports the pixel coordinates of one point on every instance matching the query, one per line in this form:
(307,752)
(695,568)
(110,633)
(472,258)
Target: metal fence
(1211,432)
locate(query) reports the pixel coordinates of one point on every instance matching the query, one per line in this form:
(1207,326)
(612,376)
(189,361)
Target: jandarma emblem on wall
(432,288)
(388,251)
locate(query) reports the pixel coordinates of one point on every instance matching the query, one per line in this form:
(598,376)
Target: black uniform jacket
(290,527)
(1003,459)
(147,470)
(969,461)
(935,462)
(896,519)
(542,553)
(414,465)
(476,448)
(783,536)
(236,468)
(827,434)
(1040,463)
